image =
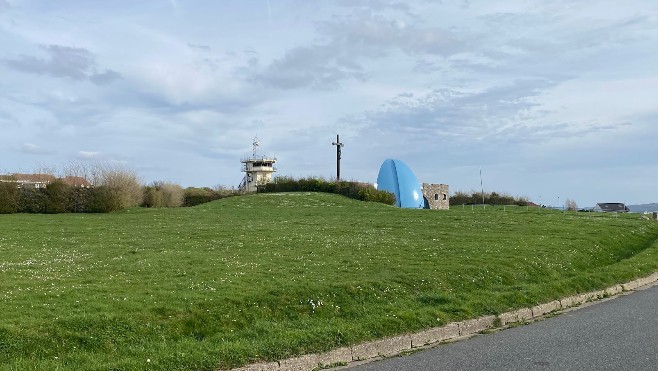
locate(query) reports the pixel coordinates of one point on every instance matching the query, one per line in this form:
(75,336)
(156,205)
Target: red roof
(33,178)
(74,181)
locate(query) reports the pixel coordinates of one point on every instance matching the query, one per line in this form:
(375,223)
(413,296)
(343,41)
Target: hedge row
(355,190)
(491,198)
(58,197)
(196,196)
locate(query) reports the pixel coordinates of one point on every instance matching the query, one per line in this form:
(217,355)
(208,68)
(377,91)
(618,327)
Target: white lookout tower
(258,169)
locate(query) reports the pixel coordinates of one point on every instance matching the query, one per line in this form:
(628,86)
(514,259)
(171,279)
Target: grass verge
(270,276)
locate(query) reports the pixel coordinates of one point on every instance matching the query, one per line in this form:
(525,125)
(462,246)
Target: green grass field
(269,276)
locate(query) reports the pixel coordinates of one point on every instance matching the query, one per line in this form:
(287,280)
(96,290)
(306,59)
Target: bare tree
(119,182)
(77,169)
(570,205)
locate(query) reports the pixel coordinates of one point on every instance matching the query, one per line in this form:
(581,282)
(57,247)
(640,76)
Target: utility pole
(338,145)
(481,186)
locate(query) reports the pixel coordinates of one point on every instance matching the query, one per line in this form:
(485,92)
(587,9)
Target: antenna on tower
(256,143)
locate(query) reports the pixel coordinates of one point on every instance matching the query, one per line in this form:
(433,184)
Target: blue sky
(551,99)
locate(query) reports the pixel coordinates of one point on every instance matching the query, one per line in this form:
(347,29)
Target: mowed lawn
(270,276)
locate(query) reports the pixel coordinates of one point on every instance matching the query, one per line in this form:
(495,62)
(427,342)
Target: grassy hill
(268,276)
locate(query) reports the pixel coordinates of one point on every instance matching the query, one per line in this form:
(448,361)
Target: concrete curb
(392,346)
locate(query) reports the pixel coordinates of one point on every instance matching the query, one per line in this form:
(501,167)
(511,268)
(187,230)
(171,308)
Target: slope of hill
(269,276)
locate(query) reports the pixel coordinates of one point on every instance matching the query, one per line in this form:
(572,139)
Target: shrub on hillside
(355,190)
(125,186)
(172,195)
(152,197)
(105,199)
(163,194)
(57,195)
(492,198)
(193,196)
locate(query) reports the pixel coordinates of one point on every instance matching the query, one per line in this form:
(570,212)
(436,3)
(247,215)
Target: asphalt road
(618,334)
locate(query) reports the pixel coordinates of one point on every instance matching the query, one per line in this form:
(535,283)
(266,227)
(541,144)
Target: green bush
(57,197)
(491,198)
(172,194)
(193,196)
(79,199)
(9,198)
(106,199)
(356,190)
(163,194)
(152,197)
(32,200)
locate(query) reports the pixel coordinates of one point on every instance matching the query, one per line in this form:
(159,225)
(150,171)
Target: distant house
(42,180)
(76,181)
(610,207)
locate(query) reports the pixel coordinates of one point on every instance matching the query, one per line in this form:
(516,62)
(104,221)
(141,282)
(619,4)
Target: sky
(550,100)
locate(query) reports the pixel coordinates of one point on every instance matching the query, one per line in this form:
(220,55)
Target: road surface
(618,334)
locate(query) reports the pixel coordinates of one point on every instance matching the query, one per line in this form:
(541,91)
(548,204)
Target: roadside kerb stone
(508,317)
(568,302)
(644,281)
(635,284)
(524,314)
(435,335)
(303,363)
(384,348)
(614,290)
(542,309)
(647,280)
(473,326)
(577,300)
(652,278)
(630,286)
(268,366)
(519,315)
(596,295)
(340,355)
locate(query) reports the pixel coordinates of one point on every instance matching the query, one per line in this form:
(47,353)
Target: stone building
(436,196)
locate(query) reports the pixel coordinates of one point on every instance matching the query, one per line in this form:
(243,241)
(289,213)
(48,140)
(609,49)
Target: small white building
(258,170)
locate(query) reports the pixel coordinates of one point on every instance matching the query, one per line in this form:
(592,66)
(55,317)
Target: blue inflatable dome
(396,177)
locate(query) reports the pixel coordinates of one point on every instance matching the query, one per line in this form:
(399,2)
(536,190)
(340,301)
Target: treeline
(489,198)
(356,190)
(110,188)
(114,188)
(58,197)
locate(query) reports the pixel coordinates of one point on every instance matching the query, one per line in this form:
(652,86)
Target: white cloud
(527,90)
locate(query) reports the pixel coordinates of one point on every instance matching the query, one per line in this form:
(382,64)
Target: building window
(436,197)
(445,197)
